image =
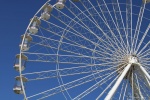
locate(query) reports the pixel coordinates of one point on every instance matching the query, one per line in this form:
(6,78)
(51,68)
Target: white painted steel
(145,72)
(95,40)
(116,85)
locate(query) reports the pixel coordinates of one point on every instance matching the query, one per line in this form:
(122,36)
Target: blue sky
(14,18)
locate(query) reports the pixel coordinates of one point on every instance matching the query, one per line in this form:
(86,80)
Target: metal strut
(114,88)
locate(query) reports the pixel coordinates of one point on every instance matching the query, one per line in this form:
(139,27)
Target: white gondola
(18,88)
(146,1)
(33,29)
(60,4)
(45,16)
(23,61)
(26,44)
(46,12)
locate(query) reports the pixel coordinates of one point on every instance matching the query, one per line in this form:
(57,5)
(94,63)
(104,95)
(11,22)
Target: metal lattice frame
(98,44)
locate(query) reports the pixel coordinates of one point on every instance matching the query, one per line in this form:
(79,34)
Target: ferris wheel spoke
(84,47)
(145,61)
(85,26)
(95,23)
(114,88)
(53,56)
(91,15)
(125,90)
(145,58)
(71,45)
(106,22)
(109,85)
(146,94)
(138,87)
(121,91)
(65,62)
(65,72)
(138,26)
(143,37)
(96,44)
(111,28)
(103,56)
(144,71)
(100,39)
(129,23)
(73,42)
(109,39)
(147,82)
(119,21)
(136,93)
(142,78)
(69,85)
(99,83)
(74,58)
(144,89)
(78,53)
(66,59)
(145,54)
(146,45)
(64,50)
(146,97)
(95,86)
(86,5)
(146,66)
(101,51)
(43,40)
(109,17)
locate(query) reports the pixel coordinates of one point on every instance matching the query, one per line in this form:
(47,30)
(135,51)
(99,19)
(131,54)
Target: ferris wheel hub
(130,59)
(133,59)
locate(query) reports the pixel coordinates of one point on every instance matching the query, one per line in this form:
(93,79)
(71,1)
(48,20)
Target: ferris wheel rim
(22,52)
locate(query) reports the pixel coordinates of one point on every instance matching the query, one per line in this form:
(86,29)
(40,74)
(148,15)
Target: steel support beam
(114,88)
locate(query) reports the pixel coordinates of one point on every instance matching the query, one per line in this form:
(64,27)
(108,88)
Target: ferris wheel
(86,50)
